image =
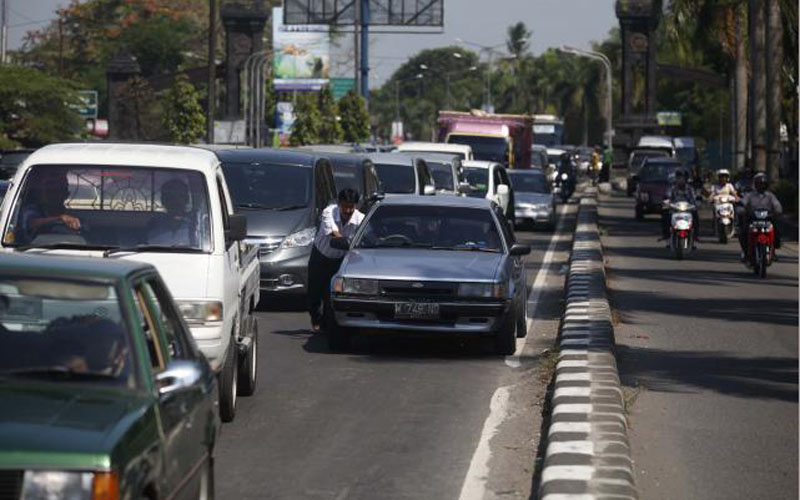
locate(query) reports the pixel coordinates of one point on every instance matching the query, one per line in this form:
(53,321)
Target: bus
(548,130)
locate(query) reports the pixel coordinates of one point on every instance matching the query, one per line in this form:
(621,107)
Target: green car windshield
(63,331)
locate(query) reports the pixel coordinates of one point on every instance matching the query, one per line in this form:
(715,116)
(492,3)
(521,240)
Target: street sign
(87,107)
(341,86)
(669,118)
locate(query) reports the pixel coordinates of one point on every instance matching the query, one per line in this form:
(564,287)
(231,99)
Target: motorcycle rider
(723,186)
(759,199)
(680,191)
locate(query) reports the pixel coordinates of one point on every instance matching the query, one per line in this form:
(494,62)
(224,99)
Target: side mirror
(340,244)
(519,249)
(428,190)
(179,375)
(237,228)
(503,189)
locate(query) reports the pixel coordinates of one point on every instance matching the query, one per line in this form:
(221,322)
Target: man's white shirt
(331,221)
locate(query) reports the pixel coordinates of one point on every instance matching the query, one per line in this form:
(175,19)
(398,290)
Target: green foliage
(355,117)
(786,191)
(35,109)
(183,116)
(517,42)
(307,122)
(330,130)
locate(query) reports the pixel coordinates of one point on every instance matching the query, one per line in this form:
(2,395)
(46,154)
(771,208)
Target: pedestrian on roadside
(337,221)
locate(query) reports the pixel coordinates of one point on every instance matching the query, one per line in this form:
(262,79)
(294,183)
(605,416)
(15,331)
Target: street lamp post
(599,56)
(490,51)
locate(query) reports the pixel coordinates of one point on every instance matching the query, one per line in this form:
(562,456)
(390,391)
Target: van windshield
(442,175)
(268,187)
(397,179)
(348,176)
(478,178)
(483,147)
(111,207)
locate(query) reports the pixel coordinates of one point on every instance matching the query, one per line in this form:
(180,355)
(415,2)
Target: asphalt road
(708,354)
(397,418)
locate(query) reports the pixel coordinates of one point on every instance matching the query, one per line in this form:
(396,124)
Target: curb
(587,456)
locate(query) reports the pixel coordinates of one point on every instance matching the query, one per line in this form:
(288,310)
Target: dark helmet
(760,182)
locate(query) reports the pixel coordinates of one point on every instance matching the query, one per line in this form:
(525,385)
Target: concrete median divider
(587,455)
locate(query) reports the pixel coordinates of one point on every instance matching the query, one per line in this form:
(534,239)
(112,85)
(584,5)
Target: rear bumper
(455,317)
(533,214)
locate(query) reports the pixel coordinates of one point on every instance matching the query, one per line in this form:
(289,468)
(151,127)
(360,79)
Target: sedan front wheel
(505,340)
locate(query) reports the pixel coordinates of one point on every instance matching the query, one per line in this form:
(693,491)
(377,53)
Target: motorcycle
(724,217)
(563,186)
(681,228)
(760,243)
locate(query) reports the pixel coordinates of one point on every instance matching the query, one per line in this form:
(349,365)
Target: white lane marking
(474,486)
(537,287)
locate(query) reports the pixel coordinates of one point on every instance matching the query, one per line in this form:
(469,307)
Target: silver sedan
(433,265)
(534,202)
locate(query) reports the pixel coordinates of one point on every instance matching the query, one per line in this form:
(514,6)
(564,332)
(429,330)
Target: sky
(553,23)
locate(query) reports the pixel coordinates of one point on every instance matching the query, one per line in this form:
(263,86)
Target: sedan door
(518,274)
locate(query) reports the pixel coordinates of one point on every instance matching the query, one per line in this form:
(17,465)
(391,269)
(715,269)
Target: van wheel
(228,384)
(248,368)
(505,339)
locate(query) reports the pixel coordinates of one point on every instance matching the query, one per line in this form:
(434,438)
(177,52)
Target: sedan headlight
(59,485)
(355,286)
(302,238)
(644,196)
(485,290)
(200,311)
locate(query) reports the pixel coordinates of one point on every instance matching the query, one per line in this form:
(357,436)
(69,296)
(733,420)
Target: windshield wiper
(468,249)
(289,207)
(254,206)
(62,246)
(153,248)
(56,372)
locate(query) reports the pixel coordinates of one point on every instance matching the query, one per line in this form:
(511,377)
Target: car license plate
(416,310)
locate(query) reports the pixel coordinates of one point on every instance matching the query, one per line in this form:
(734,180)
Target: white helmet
(723,171)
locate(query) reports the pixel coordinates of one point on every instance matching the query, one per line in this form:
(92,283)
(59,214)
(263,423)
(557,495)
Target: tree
(139,111)
(355,117)
(36,109)
(307,122)
(330,131)
(183,118)
(517,42)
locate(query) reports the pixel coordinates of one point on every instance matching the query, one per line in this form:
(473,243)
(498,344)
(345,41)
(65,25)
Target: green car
(103,392)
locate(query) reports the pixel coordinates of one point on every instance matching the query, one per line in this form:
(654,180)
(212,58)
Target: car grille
(419,289)
(268,246)
(10,484)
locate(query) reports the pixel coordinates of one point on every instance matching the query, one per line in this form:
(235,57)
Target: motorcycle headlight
(564,176)
(302,238)
(56,485)
(484,290)
(200,311)
(356,286)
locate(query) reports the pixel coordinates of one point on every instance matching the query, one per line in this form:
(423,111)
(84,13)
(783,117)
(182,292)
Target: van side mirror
(340,244)
(428,190)
(503,189)
(237,228)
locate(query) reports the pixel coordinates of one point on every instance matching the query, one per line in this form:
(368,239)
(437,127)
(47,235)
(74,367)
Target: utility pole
(3,31)
(60,46)
(356,57)
(212,71)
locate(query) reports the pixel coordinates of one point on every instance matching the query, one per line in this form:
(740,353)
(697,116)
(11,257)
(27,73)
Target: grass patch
(547,365)
(629,396)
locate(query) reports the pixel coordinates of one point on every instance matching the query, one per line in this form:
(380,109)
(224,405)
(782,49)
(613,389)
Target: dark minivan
(282,193)
(357,172)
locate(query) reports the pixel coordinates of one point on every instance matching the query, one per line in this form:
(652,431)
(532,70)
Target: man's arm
(777,209)
(328,224)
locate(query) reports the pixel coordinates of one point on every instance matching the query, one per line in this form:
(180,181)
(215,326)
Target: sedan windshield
(111,207)
(62,330)
(442,175)
(657,172)
(268,187)
(638,158)
(478,178)
(438,228)
(524,182)
(397,179)
(483,147)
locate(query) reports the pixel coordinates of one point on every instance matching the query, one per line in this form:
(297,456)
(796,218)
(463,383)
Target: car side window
(148,325)
(223,203)
(504,177)
(424,174)
(167,317)
(497,179)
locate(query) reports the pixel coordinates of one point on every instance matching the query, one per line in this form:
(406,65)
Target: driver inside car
(44,211)
(173,227)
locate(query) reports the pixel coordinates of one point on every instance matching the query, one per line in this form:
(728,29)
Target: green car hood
(64,426)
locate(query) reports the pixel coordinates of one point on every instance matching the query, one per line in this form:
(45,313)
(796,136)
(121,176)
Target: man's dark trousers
(320,271)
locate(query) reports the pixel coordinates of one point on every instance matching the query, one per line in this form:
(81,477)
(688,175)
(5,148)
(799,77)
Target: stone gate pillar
(244,33)
(119,71)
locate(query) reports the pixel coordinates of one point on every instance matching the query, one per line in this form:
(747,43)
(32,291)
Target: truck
(505,139)
(548,130)
(168,206)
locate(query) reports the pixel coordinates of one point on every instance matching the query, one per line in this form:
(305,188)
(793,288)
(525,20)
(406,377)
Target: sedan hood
(276,222)
(533,198)
(420,264)
(64,426)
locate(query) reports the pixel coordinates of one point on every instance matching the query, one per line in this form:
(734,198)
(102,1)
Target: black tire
(639,213)
(228,384)
(723,233)
(761,261)
(679,248)
(206,490)
(505,339)
(248,366)
(522,318)
(338,337)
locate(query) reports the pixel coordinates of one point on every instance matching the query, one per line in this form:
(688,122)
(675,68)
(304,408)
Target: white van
(168,206)
(462,150)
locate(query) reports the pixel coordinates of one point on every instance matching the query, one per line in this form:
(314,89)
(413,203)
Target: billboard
(301,59)
(419,13)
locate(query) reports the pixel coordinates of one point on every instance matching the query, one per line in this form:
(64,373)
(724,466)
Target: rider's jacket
(726,189)
(686,193)
(762,201)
